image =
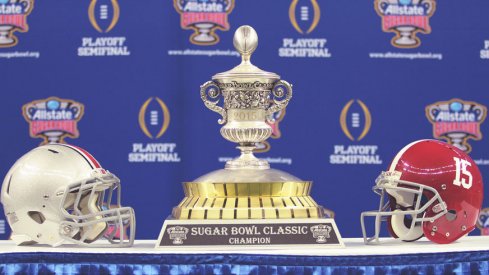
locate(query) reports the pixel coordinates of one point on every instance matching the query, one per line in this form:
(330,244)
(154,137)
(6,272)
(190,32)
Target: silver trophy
(251,96)
(7,39)
(248,194)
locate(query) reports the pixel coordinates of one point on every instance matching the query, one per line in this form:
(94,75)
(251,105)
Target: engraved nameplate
(234,234)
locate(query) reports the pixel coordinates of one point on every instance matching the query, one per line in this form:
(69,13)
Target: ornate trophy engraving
(248,203)
(246,92)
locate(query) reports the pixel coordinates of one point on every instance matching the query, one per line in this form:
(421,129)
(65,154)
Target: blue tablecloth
(144,263)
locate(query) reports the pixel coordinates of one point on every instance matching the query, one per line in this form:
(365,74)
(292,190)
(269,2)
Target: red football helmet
(434,189)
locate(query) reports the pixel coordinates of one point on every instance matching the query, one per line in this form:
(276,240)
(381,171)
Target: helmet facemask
(92,211)
(404,210)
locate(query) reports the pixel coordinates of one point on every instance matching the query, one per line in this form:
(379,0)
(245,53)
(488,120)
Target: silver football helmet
(59,194)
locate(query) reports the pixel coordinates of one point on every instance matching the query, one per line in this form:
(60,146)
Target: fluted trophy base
(245,208)
(247,200)
(247,160)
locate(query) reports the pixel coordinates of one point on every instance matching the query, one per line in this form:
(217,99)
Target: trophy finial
(245,41)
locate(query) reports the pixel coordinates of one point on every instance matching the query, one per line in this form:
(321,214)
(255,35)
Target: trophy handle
(209,92)
(281,94)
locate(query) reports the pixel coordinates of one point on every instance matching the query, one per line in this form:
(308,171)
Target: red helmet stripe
(86,155)
(399,155)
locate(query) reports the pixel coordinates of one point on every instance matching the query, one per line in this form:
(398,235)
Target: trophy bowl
(251,96)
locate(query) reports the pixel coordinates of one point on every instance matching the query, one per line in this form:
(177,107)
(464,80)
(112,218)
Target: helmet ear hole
(36,216)
(451,215)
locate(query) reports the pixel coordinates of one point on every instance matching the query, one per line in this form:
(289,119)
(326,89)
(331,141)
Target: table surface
(353,247)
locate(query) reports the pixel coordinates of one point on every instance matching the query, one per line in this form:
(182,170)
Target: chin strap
(89,205)
(403,232)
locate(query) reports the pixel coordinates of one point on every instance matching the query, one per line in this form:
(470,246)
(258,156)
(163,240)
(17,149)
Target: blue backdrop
(137,72)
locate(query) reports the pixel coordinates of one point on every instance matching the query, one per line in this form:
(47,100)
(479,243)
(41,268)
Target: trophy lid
(245,42)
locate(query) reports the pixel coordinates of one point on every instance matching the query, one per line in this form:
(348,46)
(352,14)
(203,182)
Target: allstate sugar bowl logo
(154,120)
(456,121)
(304,17)
(53,118)
(13,17)
(103,16)
(405,18)
(484,53)
(355,122)
(204,17)
(483,222)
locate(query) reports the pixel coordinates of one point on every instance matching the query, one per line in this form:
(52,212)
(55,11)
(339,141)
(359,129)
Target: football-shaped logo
(355,120)
(154,117)
(304,15)
(103,14)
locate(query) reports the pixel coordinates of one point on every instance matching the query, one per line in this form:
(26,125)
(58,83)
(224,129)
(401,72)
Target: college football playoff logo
(53,118)
(204,17)
(158,118)
(456,121)
(307,12)
(355,120)
(405,18)
(99,13)
(13,17)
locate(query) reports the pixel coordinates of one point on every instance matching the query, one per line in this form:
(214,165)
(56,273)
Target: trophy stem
(247,160)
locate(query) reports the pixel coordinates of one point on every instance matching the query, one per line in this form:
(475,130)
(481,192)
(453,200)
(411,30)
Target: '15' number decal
(461,166)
